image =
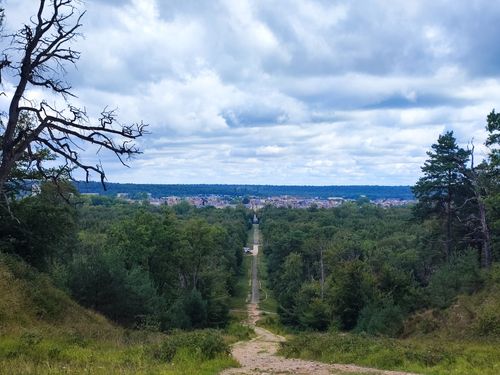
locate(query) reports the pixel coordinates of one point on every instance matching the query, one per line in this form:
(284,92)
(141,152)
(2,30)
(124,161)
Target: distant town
(256,203)
(251,196)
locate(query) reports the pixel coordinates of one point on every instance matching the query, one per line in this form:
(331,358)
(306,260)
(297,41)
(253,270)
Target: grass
(250,236)
(426,356)
(237,331)
(35,354)
(273,324)
(242,288)
(43,331)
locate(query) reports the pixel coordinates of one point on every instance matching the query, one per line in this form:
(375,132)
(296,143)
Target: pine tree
(442,188)
(493,143)
(492,185)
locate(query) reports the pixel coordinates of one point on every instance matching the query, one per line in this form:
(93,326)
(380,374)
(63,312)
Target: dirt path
(258,356)
(255,297)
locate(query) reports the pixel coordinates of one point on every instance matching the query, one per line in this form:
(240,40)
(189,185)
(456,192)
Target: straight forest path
(255,280)
(258,356)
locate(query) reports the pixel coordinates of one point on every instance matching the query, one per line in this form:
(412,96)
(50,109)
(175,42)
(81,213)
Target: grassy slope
(42,331)
(463,339)
(474,316)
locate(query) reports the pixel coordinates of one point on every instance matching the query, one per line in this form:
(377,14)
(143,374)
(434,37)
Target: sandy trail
(258,356)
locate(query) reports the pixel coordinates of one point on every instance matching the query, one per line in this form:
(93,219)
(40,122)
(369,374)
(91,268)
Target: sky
(283,92)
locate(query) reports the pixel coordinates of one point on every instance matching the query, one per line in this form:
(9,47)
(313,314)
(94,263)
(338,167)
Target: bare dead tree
(43,49)
(479,219)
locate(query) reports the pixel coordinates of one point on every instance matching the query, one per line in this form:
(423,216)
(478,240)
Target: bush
(386,319)
(206,344)
(461,276)
(313,312)
(187,312)
(239,331)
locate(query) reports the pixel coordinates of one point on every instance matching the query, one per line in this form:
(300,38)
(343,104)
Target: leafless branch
(44,46)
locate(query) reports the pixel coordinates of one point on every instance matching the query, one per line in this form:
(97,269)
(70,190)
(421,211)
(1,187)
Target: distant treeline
(157,191)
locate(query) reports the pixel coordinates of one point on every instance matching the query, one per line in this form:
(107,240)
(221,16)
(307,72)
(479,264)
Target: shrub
(384,319)
(239,331)
(187,312)
(488,322)
(206,343)
(461,276)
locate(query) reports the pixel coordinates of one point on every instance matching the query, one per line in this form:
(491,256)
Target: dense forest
(360,267)
(367,269)
(138,265)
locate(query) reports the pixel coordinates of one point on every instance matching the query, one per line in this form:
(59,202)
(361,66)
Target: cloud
(318,93)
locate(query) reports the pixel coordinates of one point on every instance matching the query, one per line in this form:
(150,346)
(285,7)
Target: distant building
(337,199)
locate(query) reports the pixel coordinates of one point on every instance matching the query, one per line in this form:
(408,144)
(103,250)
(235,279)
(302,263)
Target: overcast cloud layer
(286,92)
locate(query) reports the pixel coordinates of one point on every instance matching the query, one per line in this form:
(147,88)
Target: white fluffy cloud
(314,92)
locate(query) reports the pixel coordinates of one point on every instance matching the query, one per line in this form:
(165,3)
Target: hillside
(460,339)
(31,302)
(471,317)
(43,331)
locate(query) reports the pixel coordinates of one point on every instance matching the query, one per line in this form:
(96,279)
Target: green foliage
(189,311)
(273,323)
(43,331)
(443,177)
(421,356)
(366,252)
(290,282)
(444,188)
(242,287)
(485,307)
(312,311)
(236,331)
(33,353)
(152,268)
(381,319)
(25,231)
(206,344)
(493,140)
(141,266)
(349,293)
(488,322)
(461,276)
(380,268)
